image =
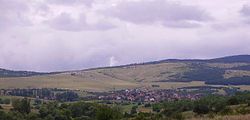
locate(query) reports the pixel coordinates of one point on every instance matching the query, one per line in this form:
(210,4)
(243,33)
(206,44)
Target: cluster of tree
(46,93)
(212,75)
(215,105)
(42,93)
(67,96)
(11,73)
(245,80)
(202,72)
(246,67)
(4,101)
(22,110)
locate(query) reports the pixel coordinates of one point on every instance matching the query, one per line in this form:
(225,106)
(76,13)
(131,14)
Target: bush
(107,113)
(156,107)
(134,110)
(3,115)
(201,109)
(213,102)
(226,111)
(4,101)
(233,101)
(248,103)
(22,106)
(147,105)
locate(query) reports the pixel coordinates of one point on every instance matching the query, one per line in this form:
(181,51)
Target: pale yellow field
(75,82)
(145,73)
(102,79)
(65,81)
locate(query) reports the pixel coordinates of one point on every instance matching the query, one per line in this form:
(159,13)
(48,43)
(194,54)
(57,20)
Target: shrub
(201,109)
(107,113)
(4,101)
(147,105)
(248,103)
(156,107)
(133,110)
(22,106)
(226,111)
(233,101)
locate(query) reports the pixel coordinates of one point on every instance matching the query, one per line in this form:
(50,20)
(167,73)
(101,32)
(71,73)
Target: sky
(59,35)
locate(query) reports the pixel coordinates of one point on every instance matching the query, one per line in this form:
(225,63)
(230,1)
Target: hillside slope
(233,70)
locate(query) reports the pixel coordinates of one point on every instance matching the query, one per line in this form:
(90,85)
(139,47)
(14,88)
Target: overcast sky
(54,35)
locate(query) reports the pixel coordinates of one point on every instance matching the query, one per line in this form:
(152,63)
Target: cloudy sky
(54,35)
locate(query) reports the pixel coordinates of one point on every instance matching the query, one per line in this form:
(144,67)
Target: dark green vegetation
(11,73)
(232,59)
(210,106)
(4,101)
(213,75)
(62,95)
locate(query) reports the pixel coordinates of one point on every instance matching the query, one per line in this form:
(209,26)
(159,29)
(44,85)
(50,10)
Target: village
(133,95)
(137,95)
(158,95)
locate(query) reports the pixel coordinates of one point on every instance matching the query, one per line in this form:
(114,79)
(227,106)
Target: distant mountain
(228,59)
(232,59)
(12,73)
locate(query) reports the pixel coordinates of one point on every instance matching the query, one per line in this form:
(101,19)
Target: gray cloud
(71,2)
(182,24)
(13,13)
(65,22)
(246,10)
(147,12)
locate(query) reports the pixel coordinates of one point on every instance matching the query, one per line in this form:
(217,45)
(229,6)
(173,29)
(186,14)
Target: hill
(12,73)
(171,73)
(232,59)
